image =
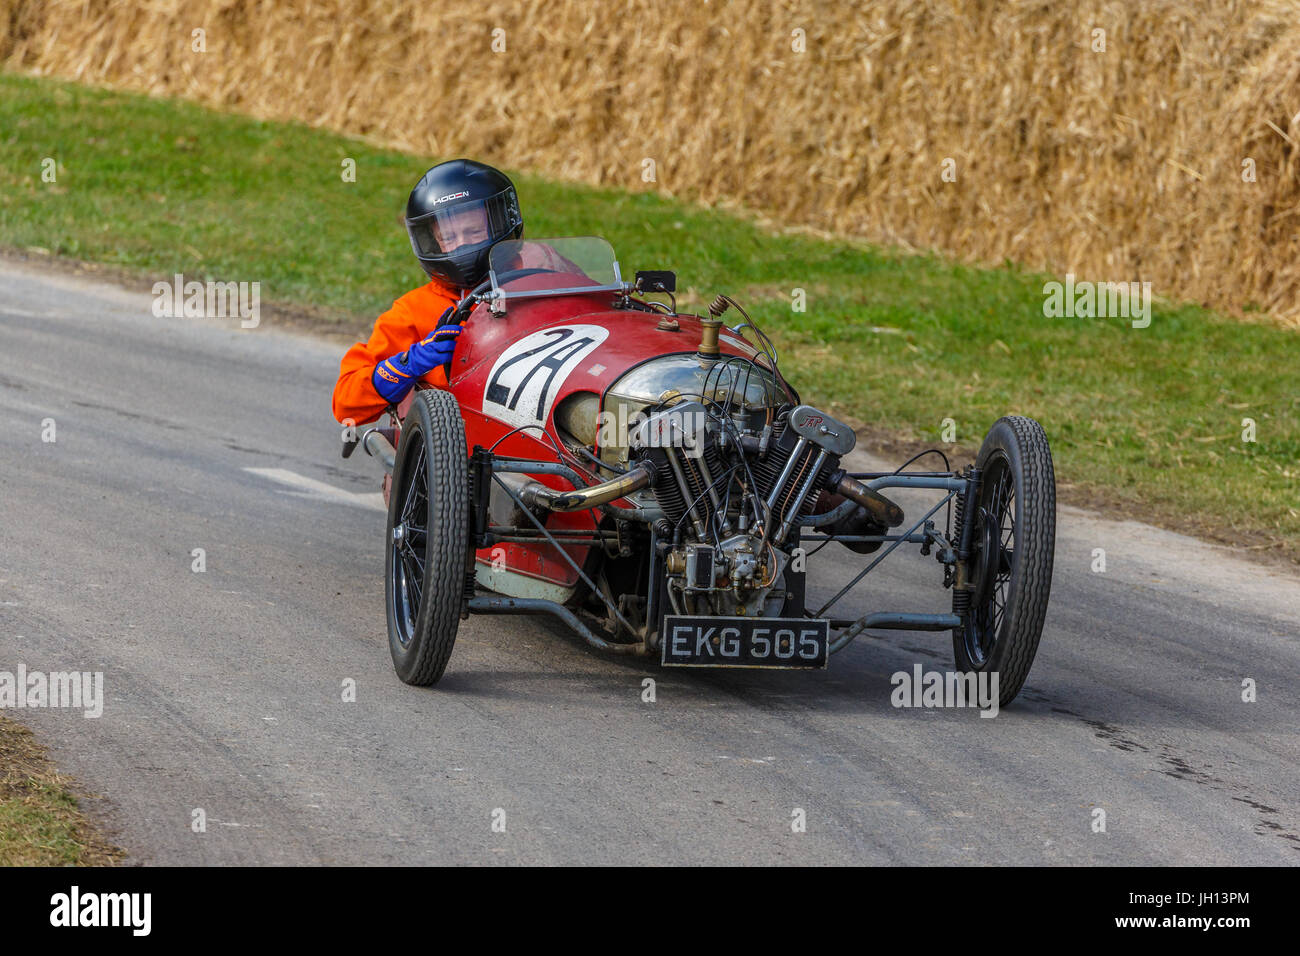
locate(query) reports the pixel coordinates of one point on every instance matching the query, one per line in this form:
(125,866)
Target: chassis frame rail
(953,554)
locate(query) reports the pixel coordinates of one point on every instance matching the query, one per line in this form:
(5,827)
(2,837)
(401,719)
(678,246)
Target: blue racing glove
(397,375)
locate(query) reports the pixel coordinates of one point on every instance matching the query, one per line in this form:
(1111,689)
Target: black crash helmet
(456,213)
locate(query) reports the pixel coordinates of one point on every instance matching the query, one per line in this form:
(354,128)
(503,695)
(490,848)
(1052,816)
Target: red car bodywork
(633,337)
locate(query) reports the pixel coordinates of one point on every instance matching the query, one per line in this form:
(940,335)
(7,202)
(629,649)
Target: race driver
(455,214)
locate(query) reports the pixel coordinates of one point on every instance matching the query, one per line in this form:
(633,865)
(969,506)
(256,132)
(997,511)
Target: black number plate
(745,642)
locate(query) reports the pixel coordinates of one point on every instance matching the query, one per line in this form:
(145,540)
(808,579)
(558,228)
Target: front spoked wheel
(1013,542)
(428,538)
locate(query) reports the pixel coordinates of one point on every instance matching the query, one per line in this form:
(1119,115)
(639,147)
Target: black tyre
(1013,541)
(428,538)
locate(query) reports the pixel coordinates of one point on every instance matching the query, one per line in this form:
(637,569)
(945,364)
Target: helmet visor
(461,225)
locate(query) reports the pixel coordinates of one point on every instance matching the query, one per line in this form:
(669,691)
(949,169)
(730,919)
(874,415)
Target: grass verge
(41,822)
(1146,422)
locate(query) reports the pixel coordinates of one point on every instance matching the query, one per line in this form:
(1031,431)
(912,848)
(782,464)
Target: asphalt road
(224,689)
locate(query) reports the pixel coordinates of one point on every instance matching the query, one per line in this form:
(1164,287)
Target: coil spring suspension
(961,595)
(476,476)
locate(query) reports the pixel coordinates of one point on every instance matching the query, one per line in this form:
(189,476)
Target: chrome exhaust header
(537,495)
(377,445)
(880,507)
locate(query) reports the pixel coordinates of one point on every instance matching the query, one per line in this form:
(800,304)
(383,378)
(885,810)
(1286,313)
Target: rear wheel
(1013,541)
(428,538)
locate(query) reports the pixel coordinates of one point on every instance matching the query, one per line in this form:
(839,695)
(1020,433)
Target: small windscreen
(584,257)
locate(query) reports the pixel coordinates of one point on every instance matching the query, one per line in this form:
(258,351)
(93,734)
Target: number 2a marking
(548,358)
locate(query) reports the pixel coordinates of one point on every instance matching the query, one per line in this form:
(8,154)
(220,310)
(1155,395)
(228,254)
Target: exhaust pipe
(880,507)
(537,495)
(377,445)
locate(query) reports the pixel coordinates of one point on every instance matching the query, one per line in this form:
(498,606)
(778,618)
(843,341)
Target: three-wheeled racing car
(651,479)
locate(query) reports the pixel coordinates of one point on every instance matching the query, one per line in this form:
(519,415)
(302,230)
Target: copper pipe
(536,494)
(881,508)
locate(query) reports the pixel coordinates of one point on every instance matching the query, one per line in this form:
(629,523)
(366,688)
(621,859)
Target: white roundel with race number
(527,376)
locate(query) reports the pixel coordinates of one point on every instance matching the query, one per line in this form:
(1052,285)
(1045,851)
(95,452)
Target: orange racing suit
(411,318)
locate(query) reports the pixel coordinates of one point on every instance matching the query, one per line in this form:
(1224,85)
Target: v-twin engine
(732,495)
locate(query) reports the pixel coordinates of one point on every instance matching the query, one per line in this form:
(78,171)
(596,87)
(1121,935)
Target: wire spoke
(416,584)
(410,546)
(410,551)
(996,531)
(416,490)
(414,573)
